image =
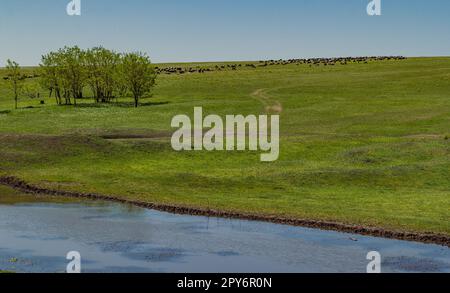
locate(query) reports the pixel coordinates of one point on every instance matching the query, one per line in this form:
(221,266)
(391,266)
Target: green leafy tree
(102,66)
(15,79)
(138,75)
(50,71)
(73,72)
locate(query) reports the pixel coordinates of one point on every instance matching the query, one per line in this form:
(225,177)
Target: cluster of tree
(108,74)
(68,72)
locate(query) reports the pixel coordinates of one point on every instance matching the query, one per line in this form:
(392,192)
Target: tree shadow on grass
(147,104)
(118,104)
(26,108)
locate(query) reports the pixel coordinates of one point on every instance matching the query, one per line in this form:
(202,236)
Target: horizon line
(255,60)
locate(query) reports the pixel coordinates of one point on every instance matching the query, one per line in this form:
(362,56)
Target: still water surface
(37,233)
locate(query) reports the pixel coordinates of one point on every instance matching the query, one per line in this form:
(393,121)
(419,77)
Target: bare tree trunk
(15,94)
(67,97)
(58,96)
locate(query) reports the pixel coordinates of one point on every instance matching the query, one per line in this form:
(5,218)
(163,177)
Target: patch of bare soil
(124,135)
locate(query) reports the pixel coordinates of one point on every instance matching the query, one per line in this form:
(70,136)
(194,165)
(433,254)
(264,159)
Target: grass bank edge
(361,229)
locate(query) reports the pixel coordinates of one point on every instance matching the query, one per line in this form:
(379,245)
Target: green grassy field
(360,143)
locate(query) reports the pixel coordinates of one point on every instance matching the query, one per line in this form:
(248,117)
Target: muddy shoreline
(431,238)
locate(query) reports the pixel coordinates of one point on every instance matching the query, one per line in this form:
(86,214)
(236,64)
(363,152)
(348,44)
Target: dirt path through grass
(271,105)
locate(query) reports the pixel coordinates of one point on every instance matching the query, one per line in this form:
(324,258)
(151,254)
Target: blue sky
(215,30)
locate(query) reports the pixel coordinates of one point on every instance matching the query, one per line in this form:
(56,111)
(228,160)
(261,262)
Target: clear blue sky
(206,30)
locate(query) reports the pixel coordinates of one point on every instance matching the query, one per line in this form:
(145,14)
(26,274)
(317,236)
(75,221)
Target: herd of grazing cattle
(310,62)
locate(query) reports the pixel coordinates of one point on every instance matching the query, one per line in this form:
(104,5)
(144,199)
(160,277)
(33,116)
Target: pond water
(36,233)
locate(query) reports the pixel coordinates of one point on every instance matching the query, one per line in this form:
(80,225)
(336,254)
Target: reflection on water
(37,232)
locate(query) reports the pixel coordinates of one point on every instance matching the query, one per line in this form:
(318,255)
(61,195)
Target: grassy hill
(360,143)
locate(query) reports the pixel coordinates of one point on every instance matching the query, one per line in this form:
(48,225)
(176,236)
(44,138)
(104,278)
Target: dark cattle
(310,62)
